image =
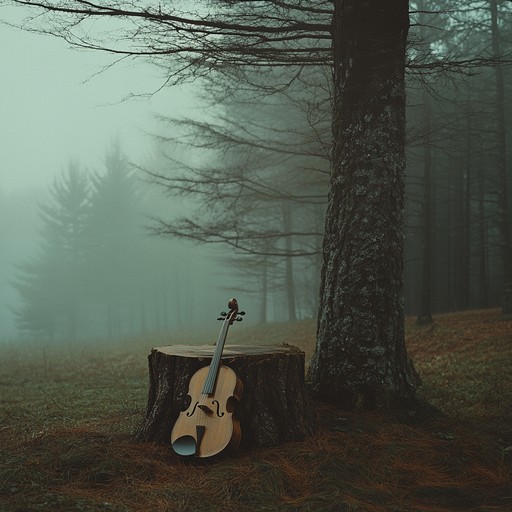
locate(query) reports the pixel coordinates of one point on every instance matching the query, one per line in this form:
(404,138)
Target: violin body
(208,425)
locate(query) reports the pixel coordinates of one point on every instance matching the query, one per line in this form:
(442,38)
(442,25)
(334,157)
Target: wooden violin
(207,426)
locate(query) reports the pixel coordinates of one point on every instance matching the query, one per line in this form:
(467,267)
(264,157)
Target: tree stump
(274,408)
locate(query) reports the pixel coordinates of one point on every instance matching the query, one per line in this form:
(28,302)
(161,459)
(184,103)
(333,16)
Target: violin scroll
(234,314)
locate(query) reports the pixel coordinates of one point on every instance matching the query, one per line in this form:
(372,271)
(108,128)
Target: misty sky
(54,107)
(57,105)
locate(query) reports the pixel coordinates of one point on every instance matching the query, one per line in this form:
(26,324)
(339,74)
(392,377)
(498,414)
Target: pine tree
(114,240)
(51,285)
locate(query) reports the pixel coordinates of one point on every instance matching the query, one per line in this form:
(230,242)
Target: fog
(244,160)
(62,107)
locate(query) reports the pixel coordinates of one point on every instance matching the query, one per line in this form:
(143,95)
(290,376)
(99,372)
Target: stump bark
(274,407)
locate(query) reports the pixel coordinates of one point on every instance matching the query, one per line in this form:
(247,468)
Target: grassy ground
(67,418)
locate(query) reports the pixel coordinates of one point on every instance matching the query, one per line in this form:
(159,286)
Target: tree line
(97,271)
(459,186)
(267,177)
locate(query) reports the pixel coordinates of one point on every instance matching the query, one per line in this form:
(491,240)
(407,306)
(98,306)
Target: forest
(346,175)
(97,270)
(255,173)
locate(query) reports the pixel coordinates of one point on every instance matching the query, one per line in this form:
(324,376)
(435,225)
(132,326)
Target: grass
(67,419)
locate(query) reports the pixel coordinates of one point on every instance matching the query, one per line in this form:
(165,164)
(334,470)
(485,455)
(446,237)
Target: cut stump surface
(274,407)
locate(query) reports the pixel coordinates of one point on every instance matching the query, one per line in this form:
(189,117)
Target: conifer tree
(114,237)
(51,284)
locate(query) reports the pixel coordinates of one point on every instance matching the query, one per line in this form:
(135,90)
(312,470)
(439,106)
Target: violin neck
(209,383)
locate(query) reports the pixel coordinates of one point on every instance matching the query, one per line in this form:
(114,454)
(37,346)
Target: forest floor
(68,414)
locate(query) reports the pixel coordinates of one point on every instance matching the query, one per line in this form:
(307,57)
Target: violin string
(208,385)
(214,365)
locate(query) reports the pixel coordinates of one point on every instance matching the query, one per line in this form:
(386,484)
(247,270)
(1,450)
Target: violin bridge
(205,409)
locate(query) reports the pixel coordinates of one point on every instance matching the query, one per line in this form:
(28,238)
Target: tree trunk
(456,187)
(483,279)
(264,293)
(360,358)
(289,284)
(503,202)
(466,236)
(274,408)
(425,312)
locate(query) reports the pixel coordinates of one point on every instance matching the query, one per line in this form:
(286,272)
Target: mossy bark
(274,407)
(360,358)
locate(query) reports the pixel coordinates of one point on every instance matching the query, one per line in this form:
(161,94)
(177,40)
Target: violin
(207,426)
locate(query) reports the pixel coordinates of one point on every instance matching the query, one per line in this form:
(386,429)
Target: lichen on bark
(360,357)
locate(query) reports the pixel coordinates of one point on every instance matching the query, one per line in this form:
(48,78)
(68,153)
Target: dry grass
(67,419)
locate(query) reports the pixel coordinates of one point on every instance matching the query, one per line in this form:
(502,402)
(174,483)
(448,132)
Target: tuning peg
(241,313)
(223,314)
(220,318)
(239,319)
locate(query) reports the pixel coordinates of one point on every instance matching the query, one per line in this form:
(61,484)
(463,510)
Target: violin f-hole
(219,414)
(190,413)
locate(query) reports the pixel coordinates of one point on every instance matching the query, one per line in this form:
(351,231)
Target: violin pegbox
(238,318)
(233,314)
